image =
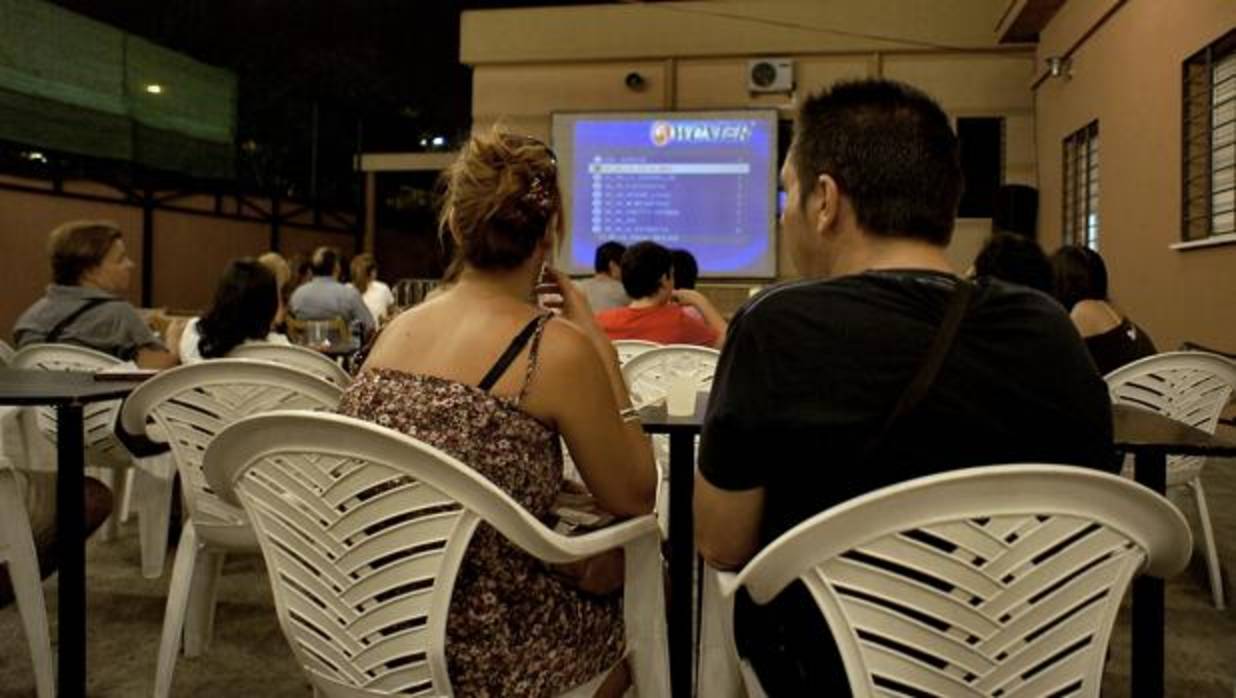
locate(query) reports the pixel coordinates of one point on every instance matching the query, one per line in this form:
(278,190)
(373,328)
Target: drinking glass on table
(683,385)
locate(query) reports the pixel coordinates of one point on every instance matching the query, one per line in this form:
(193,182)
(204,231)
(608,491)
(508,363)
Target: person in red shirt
(658,313)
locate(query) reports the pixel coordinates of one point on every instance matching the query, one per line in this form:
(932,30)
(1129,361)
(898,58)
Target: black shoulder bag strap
(930,368)
(54,334)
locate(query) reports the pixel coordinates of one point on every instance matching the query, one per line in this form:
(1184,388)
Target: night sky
(384,73)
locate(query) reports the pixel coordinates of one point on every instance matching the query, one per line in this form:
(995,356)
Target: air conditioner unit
(770,75)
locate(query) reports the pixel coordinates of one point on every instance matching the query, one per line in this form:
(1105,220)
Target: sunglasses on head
(519,140)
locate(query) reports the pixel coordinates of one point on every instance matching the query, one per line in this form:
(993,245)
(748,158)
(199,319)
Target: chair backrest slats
(305,359)
(103,449)
(648,374)
(630,348)
(191,404)
(363,573)
(950,586)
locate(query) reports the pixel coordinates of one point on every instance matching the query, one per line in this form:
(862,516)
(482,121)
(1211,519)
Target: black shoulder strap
(54,334)
(504,362)
(930,368)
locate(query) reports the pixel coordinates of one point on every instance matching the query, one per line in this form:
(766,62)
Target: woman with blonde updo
(484,373)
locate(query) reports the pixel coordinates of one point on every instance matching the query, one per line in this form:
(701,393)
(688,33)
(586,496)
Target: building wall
(530,63)
(1127,74)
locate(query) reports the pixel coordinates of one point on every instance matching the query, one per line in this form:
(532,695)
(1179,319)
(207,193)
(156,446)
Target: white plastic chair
(17,551)
(1191,387)
(192,404)
(1027,567)
(333,497)
(146,487)
(305,359)
(648,374)
(630,348)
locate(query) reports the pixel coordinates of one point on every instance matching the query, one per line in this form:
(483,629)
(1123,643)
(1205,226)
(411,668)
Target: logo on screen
(662,133)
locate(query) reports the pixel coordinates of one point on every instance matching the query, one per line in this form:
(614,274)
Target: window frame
(1201,184)
(1083,172)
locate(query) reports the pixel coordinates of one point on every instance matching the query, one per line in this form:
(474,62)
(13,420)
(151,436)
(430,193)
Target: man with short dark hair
(324,297)
(657,312)
(604,290)
(811,402)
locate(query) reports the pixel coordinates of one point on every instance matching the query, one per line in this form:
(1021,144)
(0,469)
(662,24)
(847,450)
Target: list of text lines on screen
(701,181)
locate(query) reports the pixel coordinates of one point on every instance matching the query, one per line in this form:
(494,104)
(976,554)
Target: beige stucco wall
(1127,74)
(530,63)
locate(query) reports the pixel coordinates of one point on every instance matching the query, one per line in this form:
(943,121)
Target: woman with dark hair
(243,310)
(485,374)
(1081,287)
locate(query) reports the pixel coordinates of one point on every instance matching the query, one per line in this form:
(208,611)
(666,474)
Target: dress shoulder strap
(531,330)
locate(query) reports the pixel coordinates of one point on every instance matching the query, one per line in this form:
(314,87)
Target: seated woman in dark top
(1081,287)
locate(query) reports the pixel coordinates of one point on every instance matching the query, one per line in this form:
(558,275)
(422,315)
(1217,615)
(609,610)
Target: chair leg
(126,504)
(644,614)
(1208,540)
(115,481)
(203,592)
(177,607)
(154,497)
(27,586)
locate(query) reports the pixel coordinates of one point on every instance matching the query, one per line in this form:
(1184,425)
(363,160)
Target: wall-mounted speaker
(770,75)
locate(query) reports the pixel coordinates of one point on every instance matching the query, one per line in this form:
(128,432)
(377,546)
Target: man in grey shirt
(83,305)
(324,297)
(604,290)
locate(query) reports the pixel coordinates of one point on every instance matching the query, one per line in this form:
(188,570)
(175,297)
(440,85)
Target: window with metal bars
(1209,132)
(1081,187)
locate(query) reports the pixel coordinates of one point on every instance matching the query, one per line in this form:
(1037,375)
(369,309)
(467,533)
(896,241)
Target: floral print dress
(514,629)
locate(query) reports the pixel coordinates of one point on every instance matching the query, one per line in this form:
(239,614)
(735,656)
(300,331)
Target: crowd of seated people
(832,378)
(658,309)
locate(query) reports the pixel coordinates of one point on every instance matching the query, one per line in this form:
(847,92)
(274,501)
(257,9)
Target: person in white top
(243,311)
(377,295)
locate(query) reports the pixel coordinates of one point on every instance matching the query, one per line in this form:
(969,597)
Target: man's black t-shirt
(811,371)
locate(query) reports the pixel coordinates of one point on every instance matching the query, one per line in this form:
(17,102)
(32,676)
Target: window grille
(1209,149)
(1081,187)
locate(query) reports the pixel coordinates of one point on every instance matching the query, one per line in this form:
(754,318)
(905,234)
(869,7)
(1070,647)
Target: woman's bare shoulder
(1094,317)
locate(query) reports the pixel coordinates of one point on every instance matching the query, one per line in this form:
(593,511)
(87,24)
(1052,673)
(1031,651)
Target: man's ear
(825,203)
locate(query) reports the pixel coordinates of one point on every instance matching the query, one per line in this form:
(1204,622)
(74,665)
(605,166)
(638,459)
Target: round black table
(67,391)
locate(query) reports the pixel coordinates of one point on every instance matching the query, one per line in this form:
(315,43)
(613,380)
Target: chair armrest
(564,548)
